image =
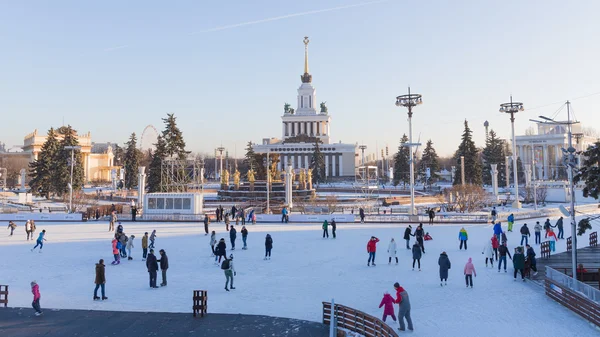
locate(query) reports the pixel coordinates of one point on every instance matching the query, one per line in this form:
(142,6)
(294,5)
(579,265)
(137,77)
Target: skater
(12,226)
(525,234)
(469,273)
(144,246)
(253,218)
(537,229)
(227,266)
(213,242)
(221,250)
(431,216)
(333,227)
(123,239)
(519,263)
(32,228)
(133,211)
(495,245)
(498,230)
(504,238)
(243,216)
(388,310)
(115,250)
(503,250)
(28,230)
(152,238)
(244,237)
(407,235)
(40,241)
(372,249)
(463,237)
(547,226)
(97,214)
(100,280)
(232,237)
(206,222)
(227,222)
(164,265)
(268,246)
(152,265)
(531,259)
(361,213)
(404,307)
(35,290)
(494,215)
(233,211)
(325,231)
(416,253)
(488,252)
(284,215)
(559,224)
(511,221)
(551,239)
(113,219)
(217,215)
(392,251)
(129,246)
(427,237)
(419,236)
(444,263)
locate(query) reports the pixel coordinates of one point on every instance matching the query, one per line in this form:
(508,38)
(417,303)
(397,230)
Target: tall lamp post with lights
(512,108)
(410,101)
(72,148)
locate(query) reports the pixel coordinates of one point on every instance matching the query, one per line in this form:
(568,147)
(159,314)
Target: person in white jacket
(488,251)
(129,246)
(213,242)
(392,251)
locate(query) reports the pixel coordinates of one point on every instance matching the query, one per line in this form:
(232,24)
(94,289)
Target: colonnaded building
(300,130)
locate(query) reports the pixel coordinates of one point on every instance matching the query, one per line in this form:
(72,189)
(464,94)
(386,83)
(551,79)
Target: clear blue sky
(113,67)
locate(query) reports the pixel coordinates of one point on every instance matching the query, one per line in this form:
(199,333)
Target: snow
(304,271)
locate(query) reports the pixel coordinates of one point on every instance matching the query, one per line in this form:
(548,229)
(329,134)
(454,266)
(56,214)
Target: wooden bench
(4,295)
(200,301)
(57,209)
(593,239)
(545,249)
(356,321)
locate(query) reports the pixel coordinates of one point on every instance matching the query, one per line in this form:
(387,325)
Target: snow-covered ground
(304,271)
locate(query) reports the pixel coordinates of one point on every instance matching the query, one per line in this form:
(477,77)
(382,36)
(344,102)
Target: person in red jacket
(35,290)
(388,310)
(371,249)
(495,245)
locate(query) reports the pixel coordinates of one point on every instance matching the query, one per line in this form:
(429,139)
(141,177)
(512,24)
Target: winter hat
(146,233)
(151,251)
(409,226)
(132,236)
(101,261)
(33,283)
(396,285)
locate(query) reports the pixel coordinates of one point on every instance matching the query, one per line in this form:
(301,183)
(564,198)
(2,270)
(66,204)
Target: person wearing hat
(100,280)
(444,263)
(227,266)
(407,235)
(333,227)
(152,265)
(129,246)
(35,290)
(372,249)
(404,310)
(164,265)
(145,246)
(220,251)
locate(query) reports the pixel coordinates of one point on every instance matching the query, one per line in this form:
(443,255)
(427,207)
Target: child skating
(469,273)
(152,238)
(40,241)
(35,290)
(388,310)
(115,251)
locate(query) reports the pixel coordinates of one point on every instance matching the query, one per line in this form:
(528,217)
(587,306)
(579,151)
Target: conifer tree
(174,143)
(590,171)
(41,170)
(131,162)
(155,167)
(317,164)
(61,176)
(494,153)
(250,159)
(468,149)
(401,163)
(429,159)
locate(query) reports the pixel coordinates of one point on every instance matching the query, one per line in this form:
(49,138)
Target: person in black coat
(407,235)
(164,265)
(333,227)
(232,236)
(361,213)
(221,250)
(268,246)
(152,266)
(419,233)
(206,222)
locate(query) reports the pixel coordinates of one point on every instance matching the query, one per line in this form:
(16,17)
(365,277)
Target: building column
(285,163)
(341,160)
(328,129)
(318,124)
(306,160)
(326,165)
(314,128)
(546,162)
(301,128)
(333,165)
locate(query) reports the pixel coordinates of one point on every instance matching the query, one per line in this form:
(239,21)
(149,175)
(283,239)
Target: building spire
(306,78)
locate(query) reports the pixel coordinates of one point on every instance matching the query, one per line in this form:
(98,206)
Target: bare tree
(530,131)
(332,203)
(469,197)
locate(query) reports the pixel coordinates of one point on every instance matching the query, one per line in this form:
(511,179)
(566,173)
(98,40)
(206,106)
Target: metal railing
(580,288)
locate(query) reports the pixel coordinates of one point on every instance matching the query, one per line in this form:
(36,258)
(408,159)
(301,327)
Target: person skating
(416,253)
(407,235)
(503,250)
(469,272)
(152,238)
(532,259)
(372,249)
(232,237)
(28,230)
(164,265)
(431,216)
(559,224)
(152,265)
(525,234)
(115,250)
(361,213)
(498,230)
(494,215)
(113,219)
(325,229)
(32,224)
(547,226)
(504,238)
(268,246)
(123,239)
(392,251)
(243,216)
(144,246)
(284,215)
(427,237)
(444,263)
(404,307)
(217,214)
(495,245)
(333,227)
(226,222)
(227,266)
(388,310)
(519,263)
(511,221)
(130,246)
(463,237)
(100,280)
(552,239)
(220,251)
(244,237)
(488,252)
(419,233)
(12,226)
(206,222)
(40,241)
(133,211)
(35,290)
(537,229)
(213,242)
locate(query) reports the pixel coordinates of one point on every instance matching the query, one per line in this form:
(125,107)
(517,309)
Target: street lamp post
(362,149)
(268,170)
(72,148)
(221,149)
(409,101)
(512,108)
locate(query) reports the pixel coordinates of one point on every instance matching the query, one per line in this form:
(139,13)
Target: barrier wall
(36,216)
(303,218)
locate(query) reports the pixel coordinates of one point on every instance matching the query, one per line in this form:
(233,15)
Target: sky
(226,68)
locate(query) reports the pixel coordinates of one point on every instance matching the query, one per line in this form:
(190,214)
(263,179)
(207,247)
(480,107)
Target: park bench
(4,295)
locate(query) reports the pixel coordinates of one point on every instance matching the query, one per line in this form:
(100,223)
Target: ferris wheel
(148,139)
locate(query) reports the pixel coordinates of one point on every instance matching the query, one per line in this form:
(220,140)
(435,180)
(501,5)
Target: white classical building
(543,150)
(302,126)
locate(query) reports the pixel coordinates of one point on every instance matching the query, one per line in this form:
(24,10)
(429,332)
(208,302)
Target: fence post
(332,322)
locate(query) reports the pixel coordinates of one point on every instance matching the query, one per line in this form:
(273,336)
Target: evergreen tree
(131,162)
(175,145)
(41,170)
(317,164)
(401,163)
(155,167)
(119,155)
(590,172)
(468,149)
(494,153)
(250,159)
(429,159)
(62,165)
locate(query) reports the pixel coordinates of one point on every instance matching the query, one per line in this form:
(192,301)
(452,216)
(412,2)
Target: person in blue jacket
(463,237)
(511,221)
(498,230)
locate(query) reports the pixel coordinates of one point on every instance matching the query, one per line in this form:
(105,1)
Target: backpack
(225,264)
(119,245)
